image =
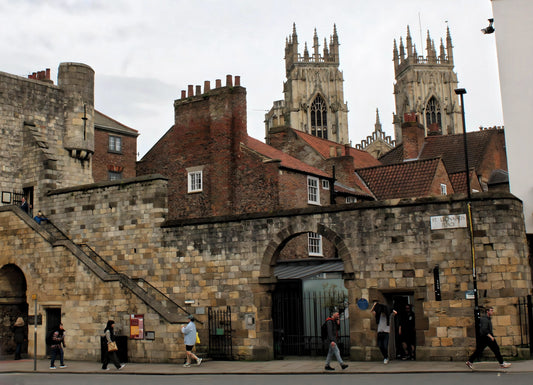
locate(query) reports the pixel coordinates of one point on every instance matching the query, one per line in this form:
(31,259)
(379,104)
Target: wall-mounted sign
(448,221)
(137,326)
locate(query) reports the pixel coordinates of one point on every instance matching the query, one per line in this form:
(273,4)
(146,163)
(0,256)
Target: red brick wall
(103,160)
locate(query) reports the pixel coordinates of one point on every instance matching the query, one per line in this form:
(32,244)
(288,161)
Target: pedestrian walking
(189,337)
(486,338)
(19,333)
(384,319)
(332,324)
(56,346)
(110,348)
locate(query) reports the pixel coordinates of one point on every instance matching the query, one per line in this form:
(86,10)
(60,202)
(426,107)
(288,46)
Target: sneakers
(386,361)
(344,366)
(121,366)
(62,366)
(52,367)
(327,367)
(505,365)
(469,364)
(198,361)
(186,365)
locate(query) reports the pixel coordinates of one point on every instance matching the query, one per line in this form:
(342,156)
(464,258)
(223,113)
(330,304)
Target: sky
(144,52)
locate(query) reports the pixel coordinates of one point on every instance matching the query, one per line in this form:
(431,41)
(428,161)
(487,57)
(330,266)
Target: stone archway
(12,305)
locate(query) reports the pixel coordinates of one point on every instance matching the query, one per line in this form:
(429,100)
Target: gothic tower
(425,86)
(314,96)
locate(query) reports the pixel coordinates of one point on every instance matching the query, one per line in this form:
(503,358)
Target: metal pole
(461,92)
(35,334)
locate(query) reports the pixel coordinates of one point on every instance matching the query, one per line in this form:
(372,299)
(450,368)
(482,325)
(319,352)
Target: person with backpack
(332,327)
(56,340)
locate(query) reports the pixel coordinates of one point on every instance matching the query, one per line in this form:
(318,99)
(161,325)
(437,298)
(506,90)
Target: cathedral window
(433,115)
(319,118)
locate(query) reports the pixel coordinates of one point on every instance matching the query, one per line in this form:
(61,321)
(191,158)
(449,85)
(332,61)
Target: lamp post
(461,92)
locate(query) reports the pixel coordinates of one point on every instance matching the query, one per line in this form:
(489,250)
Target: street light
(461,92)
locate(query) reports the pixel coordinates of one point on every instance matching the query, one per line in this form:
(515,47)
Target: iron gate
(220,333)
(297,320)
(526,322)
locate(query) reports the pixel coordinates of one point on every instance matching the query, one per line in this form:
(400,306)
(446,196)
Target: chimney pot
(207,86)
(190,90)
(218,83)
(183,94)
(237,80)
(229,81)
(198,90)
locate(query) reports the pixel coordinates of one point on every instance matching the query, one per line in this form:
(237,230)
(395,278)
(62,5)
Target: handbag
(112,346)
(197,338)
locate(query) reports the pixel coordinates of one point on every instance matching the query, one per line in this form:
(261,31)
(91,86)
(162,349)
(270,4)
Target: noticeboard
(137,326)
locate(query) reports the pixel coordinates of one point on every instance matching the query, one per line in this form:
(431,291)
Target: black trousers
(483,343)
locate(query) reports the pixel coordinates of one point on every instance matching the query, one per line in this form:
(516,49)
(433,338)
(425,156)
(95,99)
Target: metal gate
(220,334)
(526,322)
(297,320)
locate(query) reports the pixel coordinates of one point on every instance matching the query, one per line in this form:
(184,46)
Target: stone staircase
(150,295)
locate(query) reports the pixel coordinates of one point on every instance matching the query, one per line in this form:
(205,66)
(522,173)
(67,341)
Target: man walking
(486,338)
(333,323)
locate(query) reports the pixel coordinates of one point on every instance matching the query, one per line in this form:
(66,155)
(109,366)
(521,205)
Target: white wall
(514,43)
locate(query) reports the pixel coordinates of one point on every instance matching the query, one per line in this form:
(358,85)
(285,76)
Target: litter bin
(122,345)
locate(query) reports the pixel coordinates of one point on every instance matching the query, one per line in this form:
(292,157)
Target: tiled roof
(105,122)
(401,180)
(322,146)
(287,161)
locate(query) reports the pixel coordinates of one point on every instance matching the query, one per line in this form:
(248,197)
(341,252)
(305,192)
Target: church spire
(316,54)
(409,44)
(449,47)
(377,126)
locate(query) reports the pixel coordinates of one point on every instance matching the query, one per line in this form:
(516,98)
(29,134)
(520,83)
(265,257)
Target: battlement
(197,90)
(407,54)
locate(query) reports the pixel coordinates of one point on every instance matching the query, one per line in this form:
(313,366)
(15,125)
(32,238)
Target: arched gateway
(12,305)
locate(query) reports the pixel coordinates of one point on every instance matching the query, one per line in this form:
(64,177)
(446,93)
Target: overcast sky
(144,52)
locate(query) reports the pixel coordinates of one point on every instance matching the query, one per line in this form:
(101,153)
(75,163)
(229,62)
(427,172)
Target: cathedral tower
(314,96)
(425,86)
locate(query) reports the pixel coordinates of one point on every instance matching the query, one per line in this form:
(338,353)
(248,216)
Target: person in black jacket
(19,332)
(109,336)
(486,338)
(333,323)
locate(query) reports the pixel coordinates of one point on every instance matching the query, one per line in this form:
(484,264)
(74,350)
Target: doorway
(53,319)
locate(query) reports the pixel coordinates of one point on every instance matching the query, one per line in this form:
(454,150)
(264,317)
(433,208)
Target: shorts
(189,347)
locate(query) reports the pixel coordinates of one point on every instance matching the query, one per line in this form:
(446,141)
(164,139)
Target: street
(486,378)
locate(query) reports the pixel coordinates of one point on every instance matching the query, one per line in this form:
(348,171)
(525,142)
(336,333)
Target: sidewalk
(263,367)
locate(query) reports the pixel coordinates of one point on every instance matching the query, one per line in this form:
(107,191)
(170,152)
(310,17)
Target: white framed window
(351,199)
(314,244)
(443,189)
(325,184)
(115,143)
(313,193)
(195,181)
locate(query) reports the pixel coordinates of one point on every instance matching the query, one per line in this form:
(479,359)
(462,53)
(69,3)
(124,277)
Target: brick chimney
(412,136)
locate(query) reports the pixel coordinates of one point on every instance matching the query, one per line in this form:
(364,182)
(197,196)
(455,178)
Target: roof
(286,160)
(322,146)
(298,271)
(401,180)
(104,122)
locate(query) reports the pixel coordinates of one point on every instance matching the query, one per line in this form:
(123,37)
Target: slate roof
(401,180)
(104,122)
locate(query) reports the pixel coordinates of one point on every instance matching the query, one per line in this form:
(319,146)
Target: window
(443,189)
(351,199)
(319,118)
(115,143)
(195,181)
(325,184)
(433,113)
(112,175)
(313,194)
(315,244)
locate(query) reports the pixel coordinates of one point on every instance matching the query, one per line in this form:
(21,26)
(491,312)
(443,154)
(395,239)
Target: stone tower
(425,86)
(314,96)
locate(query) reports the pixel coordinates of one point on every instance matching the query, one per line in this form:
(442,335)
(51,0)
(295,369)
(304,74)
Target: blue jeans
(54,353)
(331,351)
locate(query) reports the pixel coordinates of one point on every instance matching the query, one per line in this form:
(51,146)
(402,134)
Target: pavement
(294,366)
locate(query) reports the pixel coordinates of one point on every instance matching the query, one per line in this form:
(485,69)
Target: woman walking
(19,332)
(110,356)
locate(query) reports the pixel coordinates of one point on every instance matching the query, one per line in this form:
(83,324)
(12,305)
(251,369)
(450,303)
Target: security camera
(489,29)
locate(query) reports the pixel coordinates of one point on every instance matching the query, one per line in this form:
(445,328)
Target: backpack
(50,338)
(324,330)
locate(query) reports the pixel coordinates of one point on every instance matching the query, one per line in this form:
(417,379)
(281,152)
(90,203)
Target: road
(485,378)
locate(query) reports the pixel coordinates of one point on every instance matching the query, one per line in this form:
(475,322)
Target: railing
(525,315)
